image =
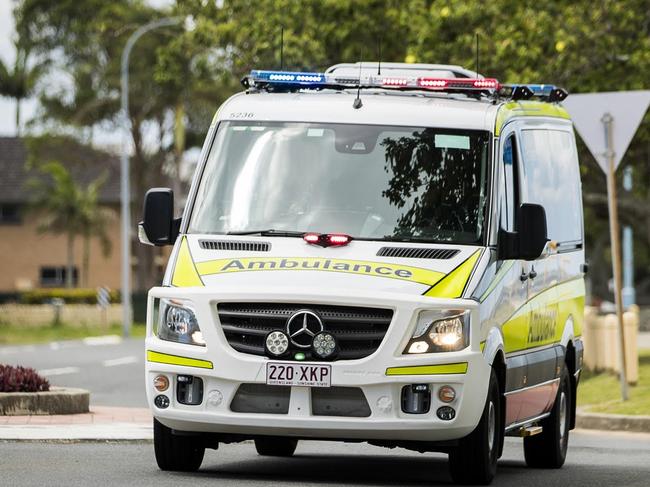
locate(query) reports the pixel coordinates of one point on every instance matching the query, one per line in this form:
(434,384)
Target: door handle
(533,273)
(523,277)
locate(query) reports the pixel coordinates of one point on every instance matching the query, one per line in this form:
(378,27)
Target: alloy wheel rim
(491,426)
(563,415)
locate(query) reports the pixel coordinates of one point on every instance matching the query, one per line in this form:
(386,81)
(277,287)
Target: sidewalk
(643,341)
(102,423)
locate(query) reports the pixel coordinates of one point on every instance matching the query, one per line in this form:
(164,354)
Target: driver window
(510,199)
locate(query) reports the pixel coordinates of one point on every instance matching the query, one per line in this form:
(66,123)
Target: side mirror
(158,226)
(529,241)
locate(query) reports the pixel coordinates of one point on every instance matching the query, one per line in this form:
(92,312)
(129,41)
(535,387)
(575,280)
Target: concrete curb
(619,422)
(58,400)
(78,433)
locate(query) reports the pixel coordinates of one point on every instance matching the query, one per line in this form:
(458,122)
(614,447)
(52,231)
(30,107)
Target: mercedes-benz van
(386,254)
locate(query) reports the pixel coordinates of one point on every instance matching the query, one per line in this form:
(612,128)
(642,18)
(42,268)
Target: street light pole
(125,170)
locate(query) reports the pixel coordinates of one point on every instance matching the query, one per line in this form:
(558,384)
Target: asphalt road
(112,369)
(595,459)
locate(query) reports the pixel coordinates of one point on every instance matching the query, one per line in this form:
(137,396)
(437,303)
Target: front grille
(235,245)
(358,331)
(417,252)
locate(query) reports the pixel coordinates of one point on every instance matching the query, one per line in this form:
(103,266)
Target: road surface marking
(131,359)
(18,349)
(103,340)
(59,371)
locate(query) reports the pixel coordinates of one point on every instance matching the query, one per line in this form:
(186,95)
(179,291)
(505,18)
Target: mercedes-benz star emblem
(303,326)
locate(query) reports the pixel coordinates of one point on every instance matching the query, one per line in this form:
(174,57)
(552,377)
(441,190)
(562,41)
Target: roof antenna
(379,63)
(281,47)
(477,55)
(357,101)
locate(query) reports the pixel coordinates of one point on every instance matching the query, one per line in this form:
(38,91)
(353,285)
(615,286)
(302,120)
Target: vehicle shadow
(371,470)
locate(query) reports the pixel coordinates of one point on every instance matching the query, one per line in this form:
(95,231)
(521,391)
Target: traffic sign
(626,108)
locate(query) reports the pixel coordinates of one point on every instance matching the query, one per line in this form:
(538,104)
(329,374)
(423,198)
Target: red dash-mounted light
(327,239)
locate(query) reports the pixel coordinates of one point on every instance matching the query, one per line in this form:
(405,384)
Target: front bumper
(386,421)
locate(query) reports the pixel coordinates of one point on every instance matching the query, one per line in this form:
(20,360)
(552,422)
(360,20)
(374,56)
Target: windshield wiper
(268,233)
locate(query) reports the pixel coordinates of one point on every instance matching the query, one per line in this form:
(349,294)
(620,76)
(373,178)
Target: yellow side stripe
(165,358)
(457,368)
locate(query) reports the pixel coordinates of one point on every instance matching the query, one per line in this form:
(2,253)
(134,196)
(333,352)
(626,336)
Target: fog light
(189,390)
(446,413)
(277,343)
(324,345)
(161,402)
(161,383)
(446,394)
(416,399)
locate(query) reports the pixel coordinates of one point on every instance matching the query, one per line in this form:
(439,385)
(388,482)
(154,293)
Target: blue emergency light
(288,77)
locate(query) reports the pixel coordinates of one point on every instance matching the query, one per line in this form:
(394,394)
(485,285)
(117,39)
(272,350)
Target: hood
(437,270)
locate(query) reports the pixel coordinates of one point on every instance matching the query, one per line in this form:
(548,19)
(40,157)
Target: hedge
(70,296)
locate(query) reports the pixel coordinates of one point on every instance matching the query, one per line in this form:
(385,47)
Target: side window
(510,199)
(552,175)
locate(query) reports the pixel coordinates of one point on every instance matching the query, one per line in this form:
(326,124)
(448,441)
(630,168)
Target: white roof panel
(379,108)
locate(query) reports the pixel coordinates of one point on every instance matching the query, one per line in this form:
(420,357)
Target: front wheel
(176,453)
(548,449)
(474,460)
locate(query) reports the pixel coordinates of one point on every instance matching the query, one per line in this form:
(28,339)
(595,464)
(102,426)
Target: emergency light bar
(321,80)
(289,80)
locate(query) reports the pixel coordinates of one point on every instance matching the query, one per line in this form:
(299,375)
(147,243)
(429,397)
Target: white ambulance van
(386,254)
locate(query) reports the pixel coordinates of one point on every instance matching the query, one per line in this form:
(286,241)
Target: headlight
(439,331)
(177,323)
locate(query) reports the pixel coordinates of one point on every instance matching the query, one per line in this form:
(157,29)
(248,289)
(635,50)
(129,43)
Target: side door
(540,185)
(514,308)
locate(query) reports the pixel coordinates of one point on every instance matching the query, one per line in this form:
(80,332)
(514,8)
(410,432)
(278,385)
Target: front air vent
(417,252)
(237,245)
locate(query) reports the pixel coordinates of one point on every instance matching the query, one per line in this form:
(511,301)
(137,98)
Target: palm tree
(19,82)
(58,200)
(94,223)
(67,208)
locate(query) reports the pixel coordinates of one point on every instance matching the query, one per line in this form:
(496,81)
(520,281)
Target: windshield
(371,182)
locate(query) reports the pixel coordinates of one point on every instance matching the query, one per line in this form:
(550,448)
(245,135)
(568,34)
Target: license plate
(298,374)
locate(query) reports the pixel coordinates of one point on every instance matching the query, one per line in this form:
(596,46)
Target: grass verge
(601,393)
(17,335)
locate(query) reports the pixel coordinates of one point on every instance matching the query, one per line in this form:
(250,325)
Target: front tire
(548,449)
(276,447)
(474,460)
(176,453)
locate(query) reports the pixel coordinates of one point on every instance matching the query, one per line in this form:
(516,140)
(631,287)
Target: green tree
(18,82)
(94,221)
(58,202)
(174,89)
(67,208)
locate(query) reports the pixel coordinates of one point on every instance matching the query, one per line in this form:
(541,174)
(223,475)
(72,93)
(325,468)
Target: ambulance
(382,252)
